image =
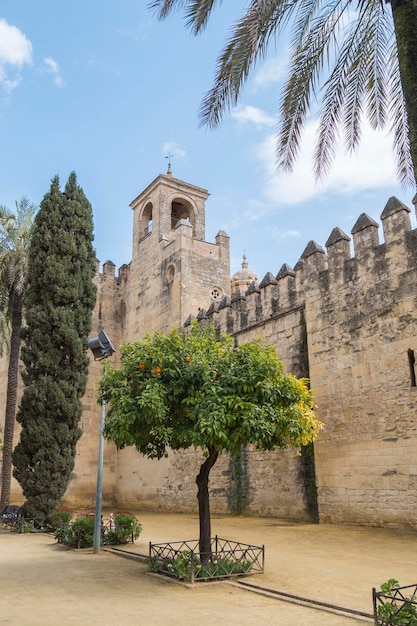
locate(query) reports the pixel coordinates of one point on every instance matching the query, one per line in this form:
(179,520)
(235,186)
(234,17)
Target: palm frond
(399,124)
(347,90)
(308,60)
(343,54)
(377,77)
(197,12)
(15,233)
(247,45)
(164,7)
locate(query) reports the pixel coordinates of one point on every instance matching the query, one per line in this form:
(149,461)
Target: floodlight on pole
(101,347)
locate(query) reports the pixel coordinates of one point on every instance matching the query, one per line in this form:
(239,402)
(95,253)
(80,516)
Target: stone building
(348,322)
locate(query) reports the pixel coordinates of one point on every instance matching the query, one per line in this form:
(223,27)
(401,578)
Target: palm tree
(15,231)
(359,56)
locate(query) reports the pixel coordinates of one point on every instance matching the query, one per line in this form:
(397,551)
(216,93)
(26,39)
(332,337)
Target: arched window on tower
(181,210)
(145,224)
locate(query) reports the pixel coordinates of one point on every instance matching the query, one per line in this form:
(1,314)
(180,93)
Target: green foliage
(191,389)
(59,300)
(60,517)
(352,59)
(126,528)
(79,533)
(15,235)
(188,563)
(26,526)
(397,610)
(188,389)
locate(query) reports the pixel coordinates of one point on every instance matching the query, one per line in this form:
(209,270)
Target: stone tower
(173,270)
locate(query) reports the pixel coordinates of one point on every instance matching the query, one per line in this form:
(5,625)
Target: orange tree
(181,390)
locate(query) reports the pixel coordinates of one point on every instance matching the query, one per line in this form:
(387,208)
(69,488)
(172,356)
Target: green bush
(126,528)
(186,561)
(396,611)
(60,517)
(79,533)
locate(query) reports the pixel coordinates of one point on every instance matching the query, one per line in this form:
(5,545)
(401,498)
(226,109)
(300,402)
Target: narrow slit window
(412,364)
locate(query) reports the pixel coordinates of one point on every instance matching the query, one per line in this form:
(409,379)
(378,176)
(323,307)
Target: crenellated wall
(349,322)
(361,317)
(345,316)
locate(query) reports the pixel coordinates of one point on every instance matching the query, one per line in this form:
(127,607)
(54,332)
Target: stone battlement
(319,271)
(348,321)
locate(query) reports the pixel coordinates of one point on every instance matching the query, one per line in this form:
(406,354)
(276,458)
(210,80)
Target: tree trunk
(12,381)
(204,506)
(405,24)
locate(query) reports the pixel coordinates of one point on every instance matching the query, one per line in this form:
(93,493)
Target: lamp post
(101,347)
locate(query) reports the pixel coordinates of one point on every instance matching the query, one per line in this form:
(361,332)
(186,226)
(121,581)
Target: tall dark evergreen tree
(59,300)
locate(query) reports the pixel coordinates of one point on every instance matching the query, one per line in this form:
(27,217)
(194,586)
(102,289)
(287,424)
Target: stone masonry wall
(361,316)
(350,323)
(347,321)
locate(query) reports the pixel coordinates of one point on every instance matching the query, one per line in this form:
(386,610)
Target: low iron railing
(182,559)
(397,606)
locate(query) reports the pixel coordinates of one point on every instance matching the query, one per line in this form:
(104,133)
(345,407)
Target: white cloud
(288,234)
(372,166)
(170,148)
(7,83)
(52,67)
(51,64)
(271,72)
(139,33)
(246,114)
(15,53)
(275,232)
(15,48)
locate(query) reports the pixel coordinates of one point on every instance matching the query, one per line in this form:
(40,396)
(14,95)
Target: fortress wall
(275,482)
(109,313)
(361,318)
(347,321)
(350,324)
(169,484)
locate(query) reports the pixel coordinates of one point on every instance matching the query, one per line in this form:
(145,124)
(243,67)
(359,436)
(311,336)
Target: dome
(243,278)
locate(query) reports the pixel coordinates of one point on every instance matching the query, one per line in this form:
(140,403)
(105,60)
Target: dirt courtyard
(44,583)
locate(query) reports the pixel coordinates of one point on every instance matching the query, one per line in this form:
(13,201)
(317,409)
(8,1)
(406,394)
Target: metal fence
(398,606)
(182,559)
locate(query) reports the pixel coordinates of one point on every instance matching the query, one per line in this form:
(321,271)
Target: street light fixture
(101,347)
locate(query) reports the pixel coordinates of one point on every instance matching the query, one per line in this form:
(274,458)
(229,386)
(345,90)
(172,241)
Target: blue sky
(105,89)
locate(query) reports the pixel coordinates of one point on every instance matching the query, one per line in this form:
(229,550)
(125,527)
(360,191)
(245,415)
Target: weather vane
(169,157)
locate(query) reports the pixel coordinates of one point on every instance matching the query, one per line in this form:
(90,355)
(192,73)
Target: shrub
(126,528)
(187,561)
(77,534)
(27,526)
(398,610)
(60,517)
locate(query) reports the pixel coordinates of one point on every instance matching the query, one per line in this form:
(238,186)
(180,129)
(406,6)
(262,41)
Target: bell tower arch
(173,269)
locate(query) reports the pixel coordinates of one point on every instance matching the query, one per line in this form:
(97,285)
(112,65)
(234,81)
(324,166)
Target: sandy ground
(42,582)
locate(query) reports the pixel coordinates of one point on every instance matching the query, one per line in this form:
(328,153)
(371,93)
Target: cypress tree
(59,300)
